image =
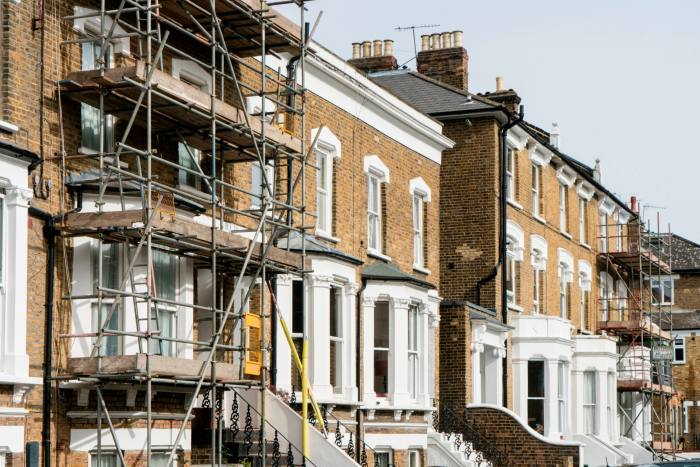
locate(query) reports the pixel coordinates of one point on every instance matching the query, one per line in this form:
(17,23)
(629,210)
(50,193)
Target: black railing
(247,440)
(467,430)
(354,447)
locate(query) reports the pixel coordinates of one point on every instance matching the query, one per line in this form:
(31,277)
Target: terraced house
(537,273)
(226,219)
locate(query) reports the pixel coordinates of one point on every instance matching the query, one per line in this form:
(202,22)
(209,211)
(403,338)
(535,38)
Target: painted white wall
(12,438)
(488,346)
(82,284)
(130,439)
(14,361)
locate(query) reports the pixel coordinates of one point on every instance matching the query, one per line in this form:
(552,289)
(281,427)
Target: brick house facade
(557,290)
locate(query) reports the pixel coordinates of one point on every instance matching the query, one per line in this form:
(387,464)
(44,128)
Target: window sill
(679,363)
(323,235)
(8,127)
(421,269)
(566,234)
(515,204)
(515,307)
(378,255)
(586,246)
(539,219)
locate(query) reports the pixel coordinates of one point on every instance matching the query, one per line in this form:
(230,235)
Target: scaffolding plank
(161,366)
(633,327)
(133,219)
(174,103)
(637,385)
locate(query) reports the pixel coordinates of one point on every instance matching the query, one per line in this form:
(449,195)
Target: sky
(620,77)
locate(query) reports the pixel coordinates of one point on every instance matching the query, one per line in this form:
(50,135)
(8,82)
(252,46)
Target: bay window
(336,340)
(610,407)
(413,367)
(561,395)
(535,395)
(589,402)
(297,326)
(381,348)
(109,252)
(164,315)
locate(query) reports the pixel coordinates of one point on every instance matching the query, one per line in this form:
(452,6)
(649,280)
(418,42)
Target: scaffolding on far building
(635,264)
(242,112)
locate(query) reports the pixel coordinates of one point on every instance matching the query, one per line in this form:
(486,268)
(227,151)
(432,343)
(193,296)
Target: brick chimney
(443,58)
(507,97)
(376,55)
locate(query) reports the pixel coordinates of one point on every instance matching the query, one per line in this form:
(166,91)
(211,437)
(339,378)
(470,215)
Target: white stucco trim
(564,257)
(327,141)
(606,206)
(585,275)
(92,25)
(418,185)
(623,215)
(516,234)
(539,252)
(566,175)
(585,190)
(539,155)
(374,164)
(130,439)
(191,71)
(517,139)
(531,432)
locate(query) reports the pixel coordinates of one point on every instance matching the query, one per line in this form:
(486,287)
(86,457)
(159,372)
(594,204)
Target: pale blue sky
(619,76)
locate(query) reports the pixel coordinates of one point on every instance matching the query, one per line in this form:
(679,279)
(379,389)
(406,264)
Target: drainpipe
(502,206)
(358,359)
(49,235)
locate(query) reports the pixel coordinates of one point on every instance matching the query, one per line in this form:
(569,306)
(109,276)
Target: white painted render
(11,438)
(130,439)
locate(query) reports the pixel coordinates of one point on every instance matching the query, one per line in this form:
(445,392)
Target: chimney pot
(633,204)
(377,48)
(388,47)
(456,38)
(356,50)
(366,49)
(499,83)
(424,42)
(446,40)
(554,135)
(435,41)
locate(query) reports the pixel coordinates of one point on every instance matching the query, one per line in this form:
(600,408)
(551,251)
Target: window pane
(2,240)
(159,459)
(107,460)
(381,325)
(334,312)
(381,352)
(535,378)
(382,459)
(297,307)
(165,271)
(185,158)
(256,184)
(109,344)
(535,414)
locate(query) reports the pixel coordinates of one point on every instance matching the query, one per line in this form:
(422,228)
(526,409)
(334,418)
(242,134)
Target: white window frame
(583,221)
(387,350)
(685,422)
(389,452)
(536,287)
(418,205)
(413,351)
(661,282)
(591,405)
(324,192)
(192,74)
(97,315)
(377,171)
(92,456)
(185,152)
(679,345)
(414,458)
(538,259)
(514,254)
(603,241)
(610,414)
(511,275)
(561,396)
(622,298)
(563,270)
(338,341)
(535,175)
(563,207)
(329,146)
(172,310)
(109,120)
(606,294)
(511,161)
(543,398)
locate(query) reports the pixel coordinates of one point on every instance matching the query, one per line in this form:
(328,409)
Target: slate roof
(428,95)
(390,272)
(685,254)
(316,246)
(684,319)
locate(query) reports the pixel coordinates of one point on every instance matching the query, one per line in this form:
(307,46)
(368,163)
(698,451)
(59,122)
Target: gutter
(50,236)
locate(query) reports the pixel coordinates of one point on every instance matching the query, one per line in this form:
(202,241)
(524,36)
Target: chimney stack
(554,135)
(376,55)
(507,97)
(499,83)
(443,58)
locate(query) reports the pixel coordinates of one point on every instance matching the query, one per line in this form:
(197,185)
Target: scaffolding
(635,261)
(244,114)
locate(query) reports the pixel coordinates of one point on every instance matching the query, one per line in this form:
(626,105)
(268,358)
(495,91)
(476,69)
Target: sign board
(662,352)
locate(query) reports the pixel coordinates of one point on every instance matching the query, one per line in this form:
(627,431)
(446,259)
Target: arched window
(515,244)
